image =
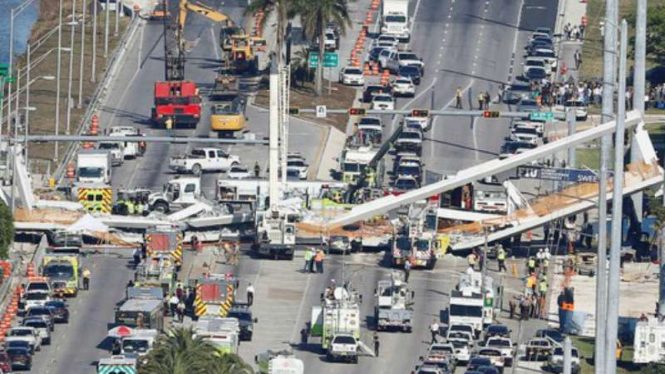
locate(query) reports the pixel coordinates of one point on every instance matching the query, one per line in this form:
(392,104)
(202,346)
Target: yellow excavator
(240,57)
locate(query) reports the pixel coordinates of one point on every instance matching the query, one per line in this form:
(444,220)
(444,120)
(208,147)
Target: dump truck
(117,364)
(394,304)
(214,295)
(143,308)
(62,271)
(223,333)
(279,362)
(337,322)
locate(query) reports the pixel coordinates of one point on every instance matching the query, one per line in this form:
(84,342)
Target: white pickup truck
(203,159)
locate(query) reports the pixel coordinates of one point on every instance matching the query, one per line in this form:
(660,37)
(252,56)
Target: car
(372,90)
(201,160)
(539,43)
(505,345)
(42,327)
(429,369)
(23,336)
(441,355)
(403,87)
(538,349)
(19,357)
(244,315)
(412,72)
(488,370)
(41,312)
(38,285)
(535,62)
(538,127)
(384,57)
(339,243)
(555,361)
(494,354)
(546,54)
(462,350)
(536,74)
(551,334)
(528,105)
(478,361)
(373,54)
(406,183)
(462,327)
(59,310)
(331,41)
(238,172)
(516,92)
(406,169)
(35,299)
(386,40)
(496,330)
(544,31)
(399,59)
(579,106)
(351,76)
(5,363)
(514,147)
(298,166)
(383,102)
(295,156)
(419,123)
(525,135)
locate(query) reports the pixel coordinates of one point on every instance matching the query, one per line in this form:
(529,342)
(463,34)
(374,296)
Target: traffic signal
(357,111)
(423,113)
(294,111)
(491,114)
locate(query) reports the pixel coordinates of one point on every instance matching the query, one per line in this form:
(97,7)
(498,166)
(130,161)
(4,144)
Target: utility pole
(93,71)
(118,5)
(639,85)
(27,104)
(11,73)
(57,81)
(274,136)
(567,356)
(81,62)
(609,59)
(614,277)
(106,30)
(71,68)
(572,122)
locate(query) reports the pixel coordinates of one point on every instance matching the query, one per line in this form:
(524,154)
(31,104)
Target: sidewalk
(573,11)
(333,148)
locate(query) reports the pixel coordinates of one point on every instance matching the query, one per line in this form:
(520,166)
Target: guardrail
(98,95)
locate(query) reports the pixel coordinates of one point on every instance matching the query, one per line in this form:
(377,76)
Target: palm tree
(315,15)
(285,11)
(299,67)
(179,352)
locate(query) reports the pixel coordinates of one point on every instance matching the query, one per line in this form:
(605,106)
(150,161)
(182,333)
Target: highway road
(76,347)
(131,98)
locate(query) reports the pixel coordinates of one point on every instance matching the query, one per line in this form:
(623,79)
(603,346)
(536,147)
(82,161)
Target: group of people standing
(313,260)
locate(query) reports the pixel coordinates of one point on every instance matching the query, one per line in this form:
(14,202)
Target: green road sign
(541,116)
(4,70)
(330,60)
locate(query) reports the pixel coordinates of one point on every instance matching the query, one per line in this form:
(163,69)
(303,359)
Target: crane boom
(204,10)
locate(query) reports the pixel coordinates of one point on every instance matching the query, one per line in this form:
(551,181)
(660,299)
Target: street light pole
(117,17)
(612,321)
(609,67)
(71,68)
(27,103)
(11,73)
(106,31)
(639,85)
(93,78)
(57,81)
(82,60)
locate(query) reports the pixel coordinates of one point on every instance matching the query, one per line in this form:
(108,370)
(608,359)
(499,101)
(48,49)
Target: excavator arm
(204,10)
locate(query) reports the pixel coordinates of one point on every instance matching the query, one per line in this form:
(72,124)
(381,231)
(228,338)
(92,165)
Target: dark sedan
(412,72)
(245,320)
(371,90)
(20,358)
(477,362)
(59,310)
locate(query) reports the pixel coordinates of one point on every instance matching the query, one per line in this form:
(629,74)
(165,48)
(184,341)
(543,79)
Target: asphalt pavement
(77,346)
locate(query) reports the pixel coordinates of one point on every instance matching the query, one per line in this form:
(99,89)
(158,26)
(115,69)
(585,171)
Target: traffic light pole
(539,116)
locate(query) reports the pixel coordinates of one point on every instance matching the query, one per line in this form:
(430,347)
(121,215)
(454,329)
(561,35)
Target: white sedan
(298,167)
(383,102)
(238,172)
(403,86)
(351,76)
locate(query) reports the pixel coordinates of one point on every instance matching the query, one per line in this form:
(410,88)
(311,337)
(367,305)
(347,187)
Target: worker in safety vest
(531,264)
(130,207)
(501,258)
(542,289)
(138,208)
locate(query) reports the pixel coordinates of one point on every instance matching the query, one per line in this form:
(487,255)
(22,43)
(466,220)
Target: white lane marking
(443,108)
(294,332)
(512,60)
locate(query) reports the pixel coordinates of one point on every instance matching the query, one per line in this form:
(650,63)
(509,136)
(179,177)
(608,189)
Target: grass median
(43,92)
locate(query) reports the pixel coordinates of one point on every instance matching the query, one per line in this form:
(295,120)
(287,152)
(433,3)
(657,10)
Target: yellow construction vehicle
(228,107)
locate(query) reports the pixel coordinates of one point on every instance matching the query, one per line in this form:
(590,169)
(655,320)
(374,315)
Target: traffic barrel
(375,5)
(375,68)
(367,71)
(369,16)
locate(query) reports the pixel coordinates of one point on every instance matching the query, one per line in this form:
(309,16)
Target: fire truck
(177,100)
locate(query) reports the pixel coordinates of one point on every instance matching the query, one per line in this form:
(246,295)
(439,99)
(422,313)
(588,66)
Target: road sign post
(321,111)
(330,60)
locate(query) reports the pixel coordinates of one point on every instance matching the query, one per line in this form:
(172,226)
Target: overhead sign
(541,116)
(330,60)
(321,111)
(558,174)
